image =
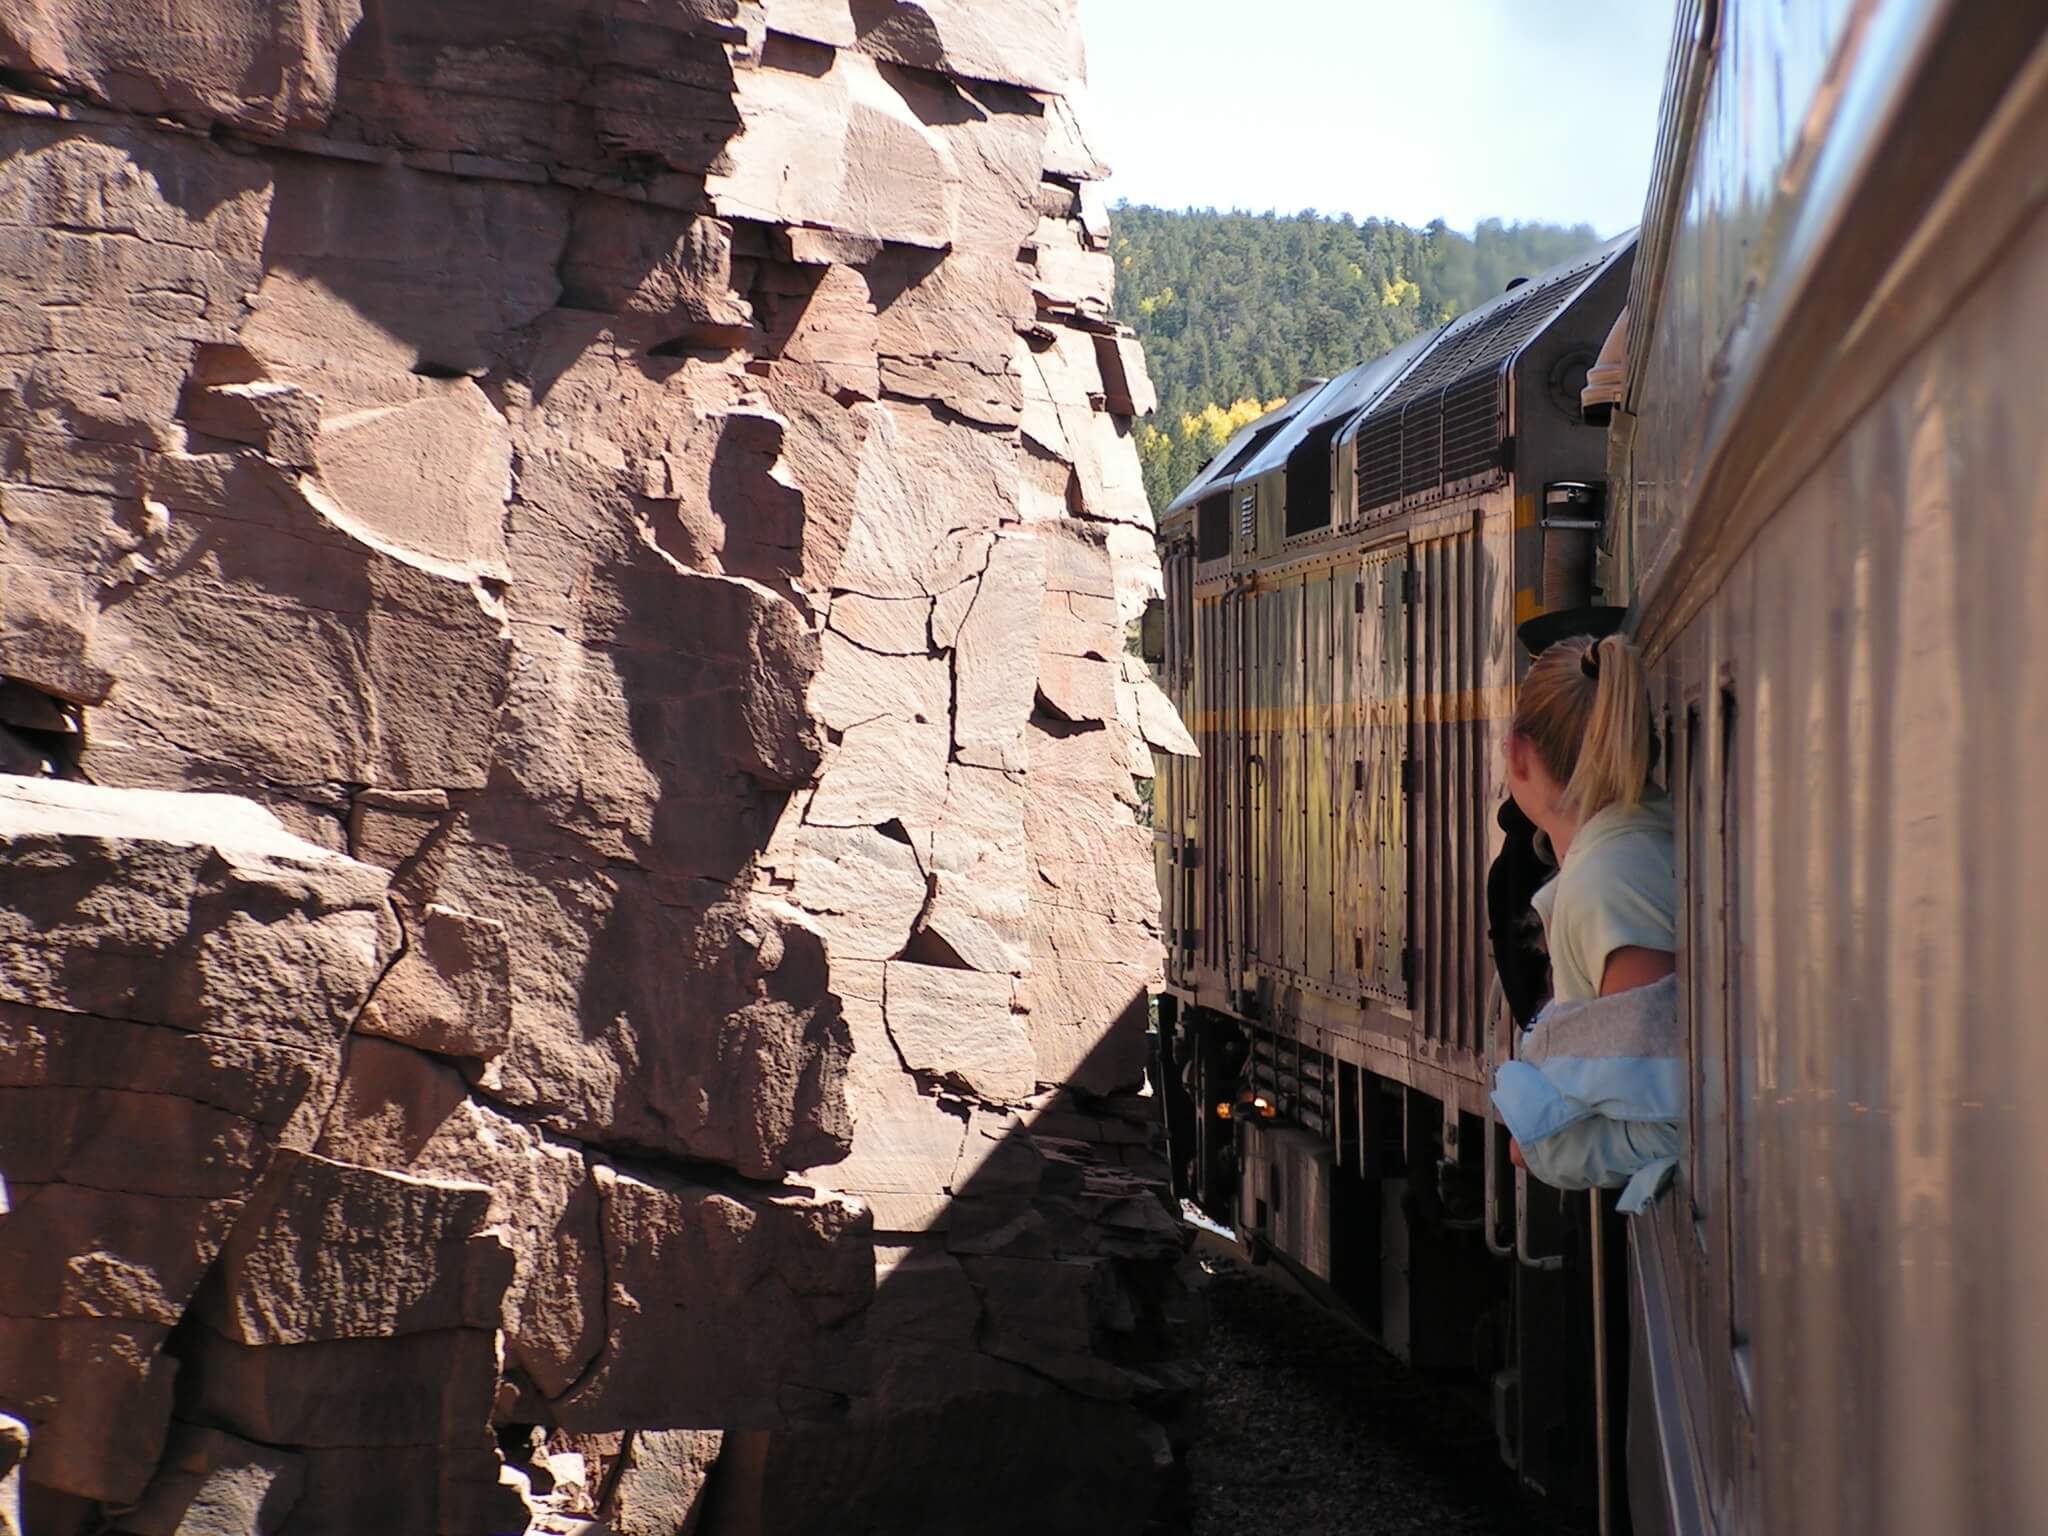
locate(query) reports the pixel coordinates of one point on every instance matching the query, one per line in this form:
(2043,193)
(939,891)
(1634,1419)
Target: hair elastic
(1590,662)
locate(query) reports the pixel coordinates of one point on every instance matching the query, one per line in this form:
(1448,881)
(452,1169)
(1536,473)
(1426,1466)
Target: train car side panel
(1902,1036)
(1839,514)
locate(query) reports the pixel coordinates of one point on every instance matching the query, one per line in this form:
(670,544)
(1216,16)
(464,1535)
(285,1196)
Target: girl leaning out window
(1595,1096)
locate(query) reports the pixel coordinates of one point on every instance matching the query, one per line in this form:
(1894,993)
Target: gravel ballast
(1309,1429)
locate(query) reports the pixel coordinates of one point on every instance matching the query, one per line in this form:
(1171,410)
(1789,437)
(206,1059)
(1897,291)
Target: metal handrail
(1547,1261)
(1496,1001)
(1604,1448)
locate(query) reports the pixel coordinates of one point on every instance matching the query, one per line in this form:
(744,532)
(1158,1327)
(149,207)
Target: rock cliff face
(575,940)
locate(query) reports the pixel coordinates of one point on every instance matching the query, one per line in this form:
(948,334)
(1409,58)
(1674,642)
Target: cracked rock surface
(575,952)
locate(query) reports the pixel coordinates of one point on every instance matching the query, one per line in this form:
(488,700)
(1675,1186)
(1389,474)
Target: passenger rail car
(1831,521)
(1818,492)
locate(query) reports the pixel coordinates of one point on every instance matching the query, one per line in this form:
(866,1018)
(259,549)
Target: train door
(1347,788)
(1239,768)
(1274,712)
(1451,660)
(1279,865)
(1375,852)
(1325,618)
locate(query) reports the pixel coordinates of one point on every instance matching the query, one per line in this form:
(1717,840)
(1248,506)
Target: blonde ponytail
(1585,707)
(1614,752)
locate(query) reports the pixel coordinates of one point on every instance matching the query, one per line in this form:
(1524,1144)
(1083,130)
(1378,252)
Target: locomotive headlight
(1265,1106)
(1223,1110)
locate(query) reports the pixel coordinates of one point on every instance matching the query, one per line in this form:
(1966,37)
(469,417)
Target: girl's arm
(1631,967)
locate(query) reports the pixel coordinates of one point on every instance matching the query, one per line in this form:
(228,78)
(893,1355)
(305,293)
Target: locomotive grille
(1298,1078)
(1445,421)
(1308,480)
(1422,445)
(1248,516)
(1474,423)
(1379,464)
(1493,337)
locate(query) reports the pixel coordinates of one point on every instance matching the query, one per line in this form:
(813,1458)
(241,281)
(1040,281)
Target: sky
(1404,109)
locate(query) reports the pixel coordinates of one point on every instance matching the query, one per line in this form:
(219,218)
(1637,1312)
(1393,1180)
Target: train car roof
(1490,334)
(1496,331)
(1344,396)
(1223,471)
(1264,445)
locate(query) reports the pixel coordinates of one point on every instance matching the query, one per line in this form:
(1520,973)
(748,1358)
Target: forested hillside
(1236,309)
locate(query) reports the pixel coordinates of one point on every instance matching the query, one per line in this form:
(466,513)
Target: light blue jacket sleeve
(1568,1145)
(1598,1153)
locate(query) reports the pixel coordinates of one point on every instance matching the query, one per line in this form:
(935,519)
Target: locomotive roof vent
(1442,427)
(1222,468)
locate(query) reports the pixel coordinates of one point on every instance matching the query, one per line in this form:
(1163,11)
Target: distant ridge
(1235,309)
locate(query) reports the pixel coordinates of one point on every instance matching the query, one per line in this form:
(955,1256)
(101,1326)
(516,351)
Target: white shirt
(1618,889)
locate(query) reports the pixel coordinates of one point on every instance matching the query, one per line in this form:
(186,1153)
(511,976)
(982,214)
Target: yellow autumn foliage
(1215,425)
(1152,302)
(1172,454)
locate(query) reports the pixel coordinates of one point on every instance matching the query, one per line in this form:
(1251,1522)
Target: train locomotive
(1343,591)
(1788,437)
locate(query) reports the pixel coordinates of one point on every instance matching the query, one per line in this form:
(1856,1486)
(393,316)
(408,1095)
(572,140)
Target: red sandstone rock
(212,1483)
(992,694)
(447,1491)
(402,1110)
(660,1489)
(197,65)
(178,979)
(450,991)
(958,1026)
(906,1143)
(280,420)
(1034,44)
(328,1250)
(720,1304)
(1127,387)
(654,484)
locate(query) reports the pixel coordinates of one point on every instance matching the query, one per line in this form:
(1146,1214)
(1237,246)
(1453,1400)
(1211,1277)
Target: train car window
(1696,962)
(1212,527)
(1308,480)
